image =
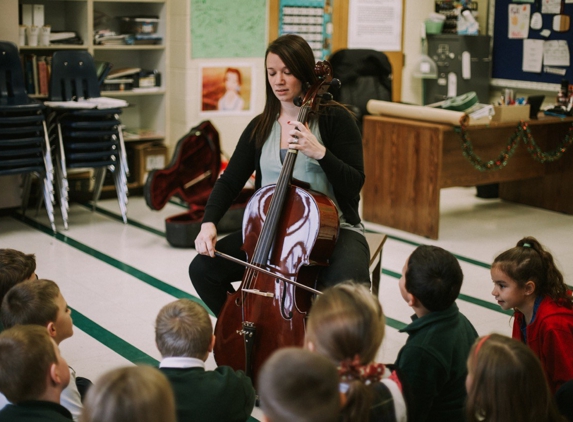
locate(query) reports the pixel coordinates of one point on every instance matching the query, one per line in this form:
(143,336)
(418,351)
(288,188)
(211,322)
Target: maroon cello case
(191,175)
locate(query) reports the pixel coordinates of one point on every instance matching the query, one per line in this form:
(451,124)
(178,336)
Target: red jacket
(550,336)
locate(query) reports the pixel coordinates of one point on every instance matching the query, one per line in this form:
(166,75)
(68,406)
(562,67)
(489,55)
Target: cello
(289,232)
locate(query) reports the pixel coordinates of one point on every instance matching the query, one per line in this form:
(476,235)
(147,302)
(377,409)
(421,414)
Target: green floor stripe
(115,343)
(394,323)
(146,278)
(466,298)
(179,204)
(460,257)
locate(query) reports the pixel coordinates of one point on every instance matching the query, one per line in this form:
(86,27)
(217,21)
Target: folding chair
(85,137)
(24,143)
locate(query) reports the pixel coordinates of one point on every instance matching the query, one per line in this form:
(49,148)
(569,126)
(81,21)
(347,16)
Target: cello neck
(276,206)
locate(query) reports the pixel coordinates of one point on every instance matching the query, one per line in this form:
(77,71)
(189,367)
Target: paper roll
(414,112)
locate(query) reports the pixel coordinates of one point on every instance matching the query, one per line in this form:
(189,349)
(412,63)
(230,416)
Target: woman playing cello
(331,163)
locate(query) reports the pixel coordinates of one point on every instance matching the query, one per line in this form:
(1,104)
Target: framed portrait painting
(226,89)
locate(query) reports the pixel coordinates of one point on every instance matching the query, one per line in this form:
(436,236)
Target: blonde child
(40,302)
(346,324)
(505,382)
(527,280)
(32,375)
(135,393)
(298,385)
(184,337)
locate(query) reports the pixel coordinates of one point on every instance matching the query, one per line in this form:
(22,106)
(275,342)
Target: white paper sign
(532,55)
(518,24)
(556,53)
(551,6)
(375,24)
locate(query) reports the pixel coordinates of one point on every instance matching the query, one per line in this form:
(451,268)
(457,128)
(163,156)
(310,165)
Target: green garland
(522,132)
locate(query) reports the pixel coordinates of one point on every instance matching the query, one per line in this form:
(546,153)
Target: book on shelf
(122,72)
(37,70)
(42,76)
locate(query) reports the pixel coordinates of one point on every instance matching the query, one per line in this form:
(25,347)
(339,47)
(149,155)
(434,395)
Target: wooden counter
(407,162)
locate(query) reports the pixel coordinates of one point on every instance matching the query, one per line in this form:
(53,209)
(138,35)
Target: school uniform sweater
(550,336)
(208,396)
(35,411)
(432,365)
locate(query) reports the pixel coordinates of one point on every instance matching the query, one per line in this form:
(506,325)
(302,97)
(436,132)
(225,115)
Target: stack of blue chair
(24,143)
(84,137)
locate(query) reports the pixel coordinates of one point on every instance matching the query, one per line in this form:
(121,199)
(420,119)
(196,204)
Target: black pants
(212,277)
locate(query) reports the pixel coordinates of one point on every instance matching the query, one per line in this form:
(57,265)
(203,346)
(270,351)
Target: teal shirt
(432,365)
(211,396)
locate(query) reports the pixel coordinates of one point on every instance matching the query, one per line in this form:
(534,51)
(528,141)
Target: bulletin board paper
(375,24)
(228,29)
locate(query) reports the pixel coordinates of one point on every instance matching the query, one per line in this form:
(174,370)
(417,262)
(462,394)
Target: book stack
(37,70)
(122,79)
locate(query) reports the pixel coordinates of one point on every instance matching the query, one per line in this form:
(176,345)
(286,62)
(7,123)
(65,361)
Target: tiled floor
(116,277)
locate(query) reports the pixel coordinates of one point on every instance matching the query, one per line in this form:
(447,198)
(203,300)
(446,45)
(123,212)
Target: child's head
(15,267)
(38,302)
(346,324)
(433,276)
(31,367)
(527,270)
(506,382)
(183,328)
(298,385)
(135,393)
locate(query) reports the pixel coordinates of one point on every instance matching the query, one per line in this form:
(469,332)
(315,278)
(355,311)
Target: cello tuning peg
(335,83)
(327,96)
(297,101)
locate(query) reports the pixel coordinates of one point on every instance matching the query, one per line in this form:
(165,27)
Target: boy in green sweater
(432,363)
(184,337)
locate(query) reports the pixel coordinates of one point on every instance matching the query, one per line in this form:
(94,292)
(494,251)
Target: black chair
(24,143)
(364,75)
(85,137)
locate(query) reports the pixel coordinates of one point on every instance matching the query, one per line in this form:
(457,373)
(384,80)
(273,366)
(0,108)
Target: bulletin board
(312,20)
(507,53)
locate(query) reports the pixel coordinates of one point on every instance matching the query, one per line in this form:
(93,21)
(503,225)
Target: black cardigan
(343,165)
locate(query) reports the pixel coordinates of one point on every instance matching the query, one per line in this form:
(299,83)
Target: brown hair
(530,261)
(344,322)
(135,393)
(298,385)
(298,57)
(15,267)
(508,383)
(183,328)
(30,302)
(26,354)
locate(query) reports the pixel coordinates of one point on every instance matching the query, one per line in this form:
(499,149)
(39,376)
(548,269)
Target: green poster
(228,28)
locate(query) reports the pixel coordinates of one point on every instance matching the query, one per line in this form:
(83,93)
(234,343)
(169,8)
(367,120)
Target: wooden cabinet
(407,162)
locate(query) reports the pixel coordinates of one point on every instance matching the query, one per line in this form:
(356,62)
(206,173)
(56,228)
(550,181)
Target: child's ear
(412,300)
(55,375)
(212,344)
(529,287)
(51,327)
